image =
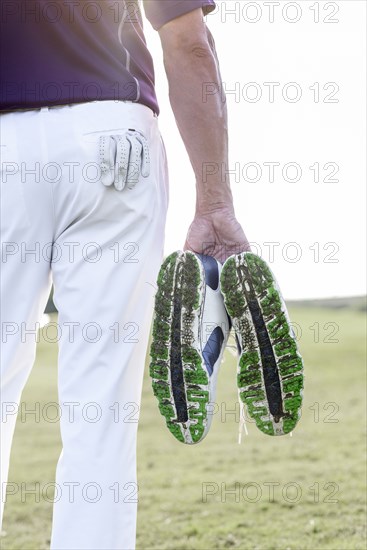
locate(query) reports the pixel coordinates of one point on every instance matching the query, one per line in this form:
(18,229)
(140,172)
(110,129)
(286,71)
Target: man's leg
(112,245)
(26,235)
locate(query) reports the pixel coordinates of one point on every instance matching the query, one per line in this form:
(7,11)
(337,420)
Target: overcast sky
(297,139)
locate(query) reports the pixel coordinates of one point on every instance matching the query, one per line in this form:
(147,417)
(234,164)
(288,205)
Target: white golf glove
(123,158)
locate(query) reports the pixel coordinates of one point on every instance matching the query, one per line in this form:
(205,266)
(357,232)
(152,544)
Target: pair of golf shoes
(198,302)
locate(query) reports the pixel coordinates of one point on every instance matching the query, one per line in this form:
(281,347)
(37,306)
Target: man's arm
(190,61)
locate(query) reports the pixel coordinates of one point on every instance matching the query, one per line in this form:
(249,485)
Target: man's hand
(216,234)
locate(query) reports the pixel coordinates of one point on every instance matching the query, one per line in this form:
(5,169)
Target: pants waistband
(140,106)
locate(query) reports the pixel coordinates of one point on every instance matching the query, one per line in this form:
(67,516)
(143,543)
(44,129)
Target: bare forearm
(202,119)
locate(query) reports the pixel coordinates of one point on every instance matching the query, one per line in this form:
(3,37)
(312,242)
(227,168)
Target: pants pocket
(14,214)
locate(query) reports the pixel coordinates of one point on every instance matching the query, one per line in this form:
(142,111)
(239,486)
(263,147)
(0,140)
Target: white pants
(102,249)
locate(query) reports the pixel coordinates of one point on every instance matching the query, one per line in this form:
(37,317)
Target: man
(84,194)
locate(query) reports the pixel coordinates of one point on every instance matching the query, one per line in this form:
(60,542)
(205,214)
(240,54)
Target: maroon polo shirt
(56,52)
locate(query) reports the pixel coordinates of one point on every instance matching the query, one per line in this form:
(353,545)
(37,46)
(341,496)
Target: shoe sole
(270,369)
(179,377)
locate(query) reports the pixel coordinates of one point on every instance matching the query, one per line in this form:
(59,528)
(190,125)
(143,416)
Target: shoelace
(242,427)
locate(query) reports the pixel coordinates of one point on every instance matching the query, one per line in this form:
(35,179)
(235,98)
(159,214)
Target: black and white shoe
(190,332)
(270,368)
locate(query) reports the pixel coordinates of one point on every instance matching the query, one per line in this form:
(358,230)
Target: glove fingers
(107,153)
(134,165)
(145,157)
(122,160)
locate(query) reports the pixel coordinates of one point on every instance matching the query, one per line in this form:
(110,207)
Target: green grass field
(217,494)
